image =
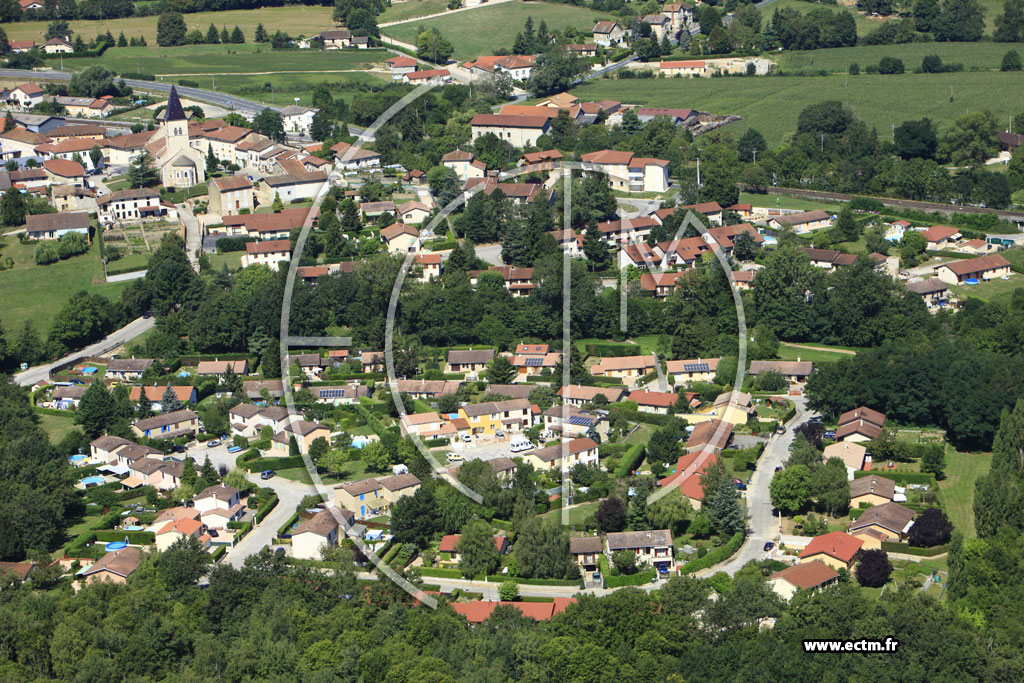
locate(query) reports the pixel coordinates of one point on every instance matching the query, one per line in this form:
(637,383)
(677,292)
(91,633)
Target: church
(181,165)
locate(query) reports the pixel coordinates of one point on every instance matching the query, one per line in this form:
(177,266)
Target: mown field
(37,293)
(986,56)
(482,31)
(282,89)
(228,59)
(400,11)
(772,104)
(295,21)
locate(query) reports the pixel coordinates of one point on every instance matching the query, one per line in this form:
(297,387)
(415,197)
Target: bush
(714,556)
(188,83)
(638,579)
(890,65)
(630,461)
(134,537)
(139,76)
(285,529)
(229,244)
(46,254)
(265,507)
(874,569)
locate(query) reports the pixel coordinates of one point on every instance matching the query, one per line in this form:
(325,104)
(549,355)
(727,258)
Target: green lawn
(228,59)
(814,355)
(484,31)
(282,89)
(772,104)
(992,289)
(57,428)
(957,489)
(780,202)
(410,9)
(356,470)
(641,435)
(577,515)
(295,21)
(37,293)
(233,260)
(982,55)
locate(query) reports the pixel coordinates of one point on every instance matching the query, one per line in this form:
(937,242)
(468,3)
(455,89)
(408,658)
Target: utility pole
(698,171)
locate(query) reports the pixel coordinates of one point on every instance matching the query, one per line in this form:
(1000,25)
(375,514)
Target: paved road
(114,339)
(490,253)
(124,277)
(193,235)
(762,526)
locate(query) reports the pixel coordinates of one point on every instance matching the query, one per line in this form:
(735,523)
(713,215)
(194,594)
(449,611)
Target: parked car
(829,435)
(740,487)
(465,437)
(768,546)
(234,449)
(212,444)
(499,434)
(778,468)
(781,429)
(737,481)
(267,474)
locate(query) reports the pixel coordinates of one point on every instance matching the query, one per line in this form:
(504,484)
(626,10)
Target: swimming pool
(359,441)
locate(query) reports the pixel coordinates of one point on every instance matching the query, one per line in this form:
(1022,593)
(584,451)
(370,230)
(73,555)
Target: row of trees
(171,31)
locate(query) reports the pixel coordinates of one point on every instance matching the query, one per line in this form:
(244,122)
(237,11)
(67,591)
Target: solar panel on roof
(332,393)
(696,367)
(534,361)
(579,420)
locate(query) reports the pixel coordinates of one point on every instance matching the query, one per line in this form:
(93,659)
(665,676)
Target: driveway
(762,526)
(490,253)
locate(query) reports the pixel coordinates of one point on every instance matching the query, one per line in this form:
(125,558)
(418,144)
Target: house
(310,364)
(27,95)
(271,253)
(66,398)
(254,389)
(320,531)
(792,370)
(518,281)
(546,160)
(350,158)
(804,222)
(734,407)
(836,549)
(627,172)
(828,259)
(376,209)
(122,150)
(582,50)
(22,45)
(862,413)
(336,40)
(871,490)
(427,388)
(472,362)
(894,231)
(693,370)
(68,198)
(346,394)
(155,394)
(519,67)
(291,188)
(941,237)
(651,547)
(933,291)
(629,369)
(579,451)
(860,424)
(57,46)
(401,66)
(851,453)
(626,230)
(172,532)
(217,496)
(86,107)
(208,368)
(372,361)
(981,268)
(478,611)
(529,364)
(114,567)
(432,76)
(244,421)
(464,165)
(412,212)
(890,518)
(579,395)
(660,25)
(976,247)
(17,571)
(608,33)
(305,433)
(683,68)
(105,447)
(518,131)
(431,265)
(808,576)
(297,119)
(570,422)
(689,472)
(711,435)
(586,551)
(562,100)
(373,497)
(427,425)
(64,172)
(450,545)
(656,402)
(400,238)
(168,425)
(130,205)
(640,255)
(659,285)
(676,116)
(484,419)
(231,195)
(519,193)
(127,368)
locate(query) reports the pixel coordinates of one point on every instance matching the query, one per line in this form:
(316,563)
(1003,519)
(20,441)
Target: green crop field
(483,31)
(985,56)
(295,21)
(281,89)
(228,59)
(37,293)
(772,104)
(410,9)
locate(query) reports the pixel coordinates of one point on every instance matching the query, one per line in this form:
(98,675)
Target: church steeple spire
(174,110)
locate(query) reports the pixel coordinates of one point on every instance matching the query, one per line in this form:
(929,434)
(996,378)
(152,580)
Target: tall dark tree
(95,410)
(874,568)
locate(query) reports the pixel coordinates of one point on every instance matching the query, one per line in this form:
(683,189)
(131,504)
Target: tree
(142,172)
(890,65)
(269,122)
(322,127)
(555,71)
(925,14)
(212,35)
(625,562)
(58,29)
(277,206)
(362,23)
(477,552)
(874,568)
(122,41)
(184,563)
(959,21)
(934,461)
(212,163)
(542,550)
(830,487)
(261,34)
(709,19)
(9,124)
(1010,24)
(611,515)
(12,208)
(791,488)
(846,228)
(916,139)
(144,407)
(500,370)
(169,401)
(508,591)
(931,528)
(375,457)
(972,139)
(912,244)
(433,47)
(1011,62)
(237,37)
(750,142)
(95,409)
(170,30)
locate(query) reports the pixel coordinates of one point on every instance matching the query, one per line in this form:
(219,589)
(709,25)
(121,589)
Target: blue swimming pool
(93,481)
(359,441)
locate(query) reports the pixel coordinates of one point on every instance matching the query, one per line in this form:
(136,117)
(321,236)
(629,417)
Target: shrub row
(285,530)
(265,508)
(218,552)
(229,244)
(139,76)
(54,411)
(630,461)
(243,529)
(436,443)
(391,553)
(637,579)
(443,573)
(122,271)
(891,547)
(715,556)
(134,537)
(501,578)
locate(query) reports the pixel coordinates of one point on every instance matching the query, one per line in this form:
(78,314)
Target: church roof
(182,160)
(174,111)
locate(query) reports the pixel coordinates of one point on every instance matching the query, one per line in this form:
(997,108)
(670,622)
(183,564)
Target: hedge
(715,556)
(790,414)
(611,350)
(107,521)
(436,443)
(284,529)
(218,552)
(892,547)
(899,477)
(78,545)
(630,461)
(54,411)
(442,573)
(391,553)
(229,244)
(260,464)
(139,76)
(630,580)
(134,537)
(501,578)
(122,271)
(265,508)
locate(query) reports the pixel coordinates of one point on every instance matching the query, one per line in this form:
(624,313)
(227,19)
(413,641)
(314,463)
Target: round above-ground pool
(93,481)
(116,545)
(76,459)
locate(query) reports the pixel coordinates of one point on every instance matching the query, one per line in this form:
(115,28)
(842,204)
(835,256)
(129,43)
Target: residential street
(112,340)
(193,235)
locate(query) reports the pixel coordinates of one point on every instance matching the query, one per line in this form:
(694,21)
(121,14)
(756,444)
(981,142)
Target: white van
(520,443)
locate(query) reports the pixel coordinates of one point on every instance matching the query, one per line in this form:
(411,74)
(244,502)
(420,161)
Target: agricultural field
(135,242)
(957,489)
(485,30)
(282,89)
(985,56)
(37,293)
(410,9)
(295,21)
(249,58)
(772,104)
(815,355)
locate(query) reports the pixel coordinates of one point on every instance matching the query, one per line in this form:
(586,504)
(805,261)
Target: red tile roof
(807,575)
(837,544)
